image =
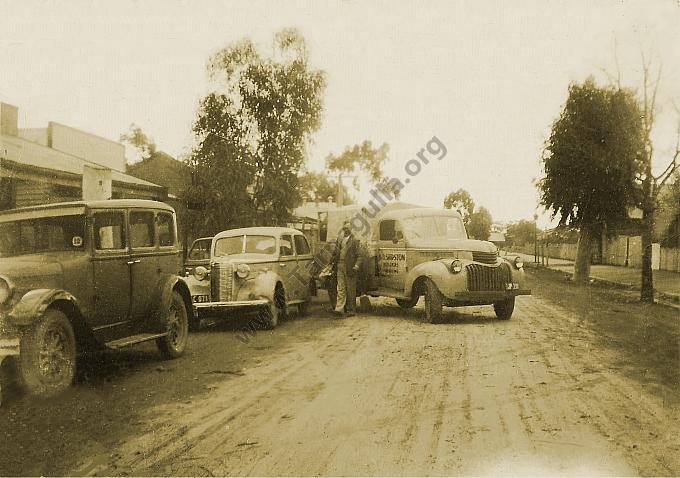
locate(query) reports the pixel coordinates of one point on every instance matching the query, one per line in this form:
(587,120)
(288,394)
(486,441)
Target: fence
(621,251)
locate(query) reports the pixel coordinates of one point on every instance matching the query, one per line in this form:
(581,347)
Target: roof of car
(268,230)
(206,238)
(75,207)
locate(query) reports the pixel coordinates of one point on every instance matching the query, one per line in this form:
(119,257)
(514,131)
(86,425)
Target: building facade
(59,163)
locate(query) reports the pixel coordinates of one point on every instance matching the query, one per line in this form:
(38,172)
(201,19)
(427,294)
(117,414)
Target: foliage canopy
(593,157)
(252,131)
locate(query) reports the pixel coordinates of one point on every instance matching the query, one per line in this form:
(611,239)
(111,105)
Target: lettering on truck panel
(392,263)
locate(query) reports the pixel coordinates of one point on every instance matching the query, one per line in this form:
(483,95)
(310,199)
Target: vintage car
(87,274)
(267,268)
(198,255)
(414,251)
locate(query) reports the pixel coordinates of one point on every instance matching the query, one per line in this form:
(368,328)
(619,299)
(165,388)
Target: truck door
(391,256)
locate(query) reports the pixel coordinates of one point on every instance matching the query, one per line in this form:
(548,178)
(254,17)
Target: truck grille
(484,257)
(483,278)
(222,282)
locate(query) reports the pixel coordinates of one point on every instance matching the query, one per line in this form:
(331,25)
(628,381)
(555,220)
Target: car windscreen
(62,233)
(200,250)
(250,244)
(434,227)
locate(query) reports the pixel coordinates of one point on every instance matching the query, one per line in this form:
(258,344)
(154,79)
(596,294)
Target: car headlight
(519,263)
(5,291)
(243,270)
(456,266)
(200,273)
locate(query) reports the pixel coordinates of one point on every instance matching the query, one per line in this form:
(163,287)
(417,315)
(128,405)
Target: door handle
(136,261)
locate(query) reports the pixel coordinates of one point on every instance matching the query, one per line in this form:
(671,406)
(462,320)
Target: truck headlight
(5,291)
(243,270)
(456,266)
(519,263)
(200,273)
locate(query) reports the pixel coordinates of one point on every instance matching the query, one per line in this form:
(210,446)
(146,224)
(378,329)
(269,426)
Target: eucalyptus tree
(591,161)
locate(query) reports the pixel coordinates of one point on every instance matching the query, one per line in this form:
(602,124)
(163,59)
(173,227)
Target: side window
(141,229)
(109,231)
(286,248)
(301,245)
(166,229)
(200,250)
(388,230)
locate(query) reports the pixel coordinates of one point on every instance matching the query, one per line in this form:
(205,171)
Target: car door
(391,256)
(303,271)
(111,274)
(144,267)
(286,265)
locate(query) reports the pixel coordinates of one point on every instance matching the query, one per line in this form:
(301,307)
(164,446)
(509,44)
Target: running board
(387,293)
(134,339)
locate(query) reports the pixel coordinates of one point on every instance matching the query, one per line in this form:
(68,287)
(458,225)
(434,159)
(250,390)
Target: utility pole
(535,239)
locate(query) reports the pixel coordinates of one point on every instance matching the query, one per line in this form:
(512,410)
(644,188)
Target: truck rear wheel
(505,308)
(433,302)
(47,363)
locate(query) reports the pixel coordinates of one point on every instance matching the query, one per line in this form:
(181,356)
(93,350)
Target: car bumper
(9,338)
(8,346)
(209,307)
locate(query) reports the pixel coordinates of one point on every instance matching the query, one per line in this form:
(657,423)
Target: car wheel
(276,309)
(271,317)
(303,307)
(433,302)
(505,308)
(47,363)
(333,296)
(172,345)
(408,303)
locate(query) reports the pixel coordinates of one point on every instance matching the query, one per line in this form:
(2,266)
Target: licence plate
(512,286)
(200,298)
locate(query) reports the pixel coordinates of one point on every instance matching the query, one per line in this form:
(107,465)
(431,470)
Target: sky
(486,79)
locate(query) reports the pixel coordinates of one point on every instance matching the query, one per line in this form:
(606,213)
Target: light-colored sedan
(256,267)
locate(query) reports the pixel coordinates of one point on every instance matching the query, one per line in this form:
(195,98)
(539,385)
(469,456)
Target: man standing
(347,261)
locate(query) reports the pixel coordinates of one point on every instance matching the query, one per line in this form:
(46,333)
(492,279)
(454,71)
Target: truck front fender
(34,303)
(437,271)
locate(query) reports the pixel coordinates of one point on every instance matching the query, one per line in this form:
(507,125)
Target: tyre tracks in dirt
(385,394)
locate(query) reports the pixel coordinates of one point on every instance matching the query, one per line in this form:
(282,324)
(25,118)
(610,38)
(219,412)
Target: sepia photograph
(339,238)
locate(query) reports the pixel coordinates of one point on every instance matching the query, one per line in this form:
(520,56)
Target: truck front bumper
(487,297)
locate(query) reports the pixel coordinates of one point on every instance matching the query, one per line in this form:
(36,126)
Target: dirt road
(385,394)
(547,392)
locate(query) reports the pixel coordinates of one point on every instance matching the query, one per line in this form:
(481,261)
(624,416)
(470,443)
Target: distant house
(667,223)
(498,238)
(163,169)
(59,163)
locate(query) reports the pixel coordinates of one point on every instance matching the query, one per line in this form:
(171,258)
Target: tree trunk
(583,255)
(647,283)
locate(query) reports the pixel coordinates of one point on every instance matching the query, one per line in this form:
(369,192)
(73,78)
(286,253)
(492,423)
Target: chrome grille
(222,282)
(483,278)
(484,257)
